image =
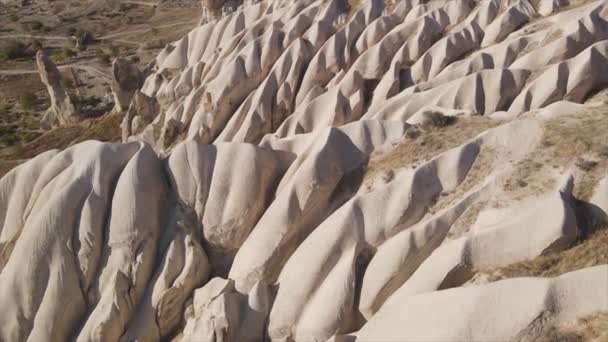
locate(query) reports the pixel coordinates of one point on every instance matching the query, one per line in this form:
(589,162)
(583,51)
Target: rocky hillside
(331,170)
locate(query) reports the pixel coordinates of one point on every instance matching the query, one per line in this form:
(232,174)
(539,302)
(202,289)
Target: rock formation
(290,173)
(62,110)
(142,111)
(126,80)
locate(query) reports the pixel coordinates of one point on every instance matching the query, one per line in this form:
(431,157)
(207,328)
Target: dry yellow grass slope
(590,252)
(105,128)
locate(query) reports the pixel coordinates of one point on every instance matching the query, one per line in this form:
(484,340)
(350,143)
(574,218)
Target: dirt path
(12,36)
(78,65)
(124,33)
(141,3)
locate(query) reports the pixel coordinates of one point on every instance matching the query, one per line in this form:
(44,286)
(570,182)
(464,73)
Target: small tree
(84,38)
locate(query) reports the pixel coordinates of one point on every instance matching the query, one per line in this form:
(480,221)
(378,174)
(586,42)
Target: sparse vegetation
(26,100)
(8,139)
(102,57)
(68,83)
(86,101)
(36,45)
(4,109)
(423,145)
(590,252)
(14,50)
(585,164)
(84,38)
(589,328)
(67,53)
(437,119)
(71,31)
(35,25)
(114,51)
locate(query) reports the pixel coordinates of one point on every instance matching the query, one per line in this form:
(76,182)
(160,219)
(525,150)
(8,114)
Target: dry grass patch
(105,128)
(591,252)
(592,328)
(578,141)
(417,148)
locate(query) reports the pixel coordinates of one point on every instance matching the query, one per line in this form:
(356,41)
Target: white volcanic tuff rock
(62,110)
(338,52)
(332,108)
(184,267)
(368,222)
(519,306)
(578,32)
(366,135)
(228,186)
(307,193)
(445,32)
(485,92)
(438,56)
(397,259)
(326,280)
(495,243)
(139,203)
(126,80)
(498,56)
(256,67)
(15,190)
(303,199)
(600,195)
(248,68)
(571,80)
(418,34)
(445,51)
(72,260)
(220,313)
(510,20)
(286,206)
(142,111)
(546,8)
(265,108)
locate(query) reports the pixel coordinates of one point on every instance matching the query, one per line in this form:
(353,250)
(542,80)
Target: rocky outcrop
(62,111)
(142,111)
(308,184)
(126,80)
(520,306)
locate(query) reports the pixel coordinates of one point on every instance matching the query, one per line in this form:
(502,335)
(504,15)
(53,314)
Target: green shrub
(14,50)
(28,136)
(9,139)
(87,101)
(36,45)
(114,51)
(102,57)
(84,38)
(67,53)
(4,109)
(69,83)
(71,31)
(35,25)
(26,100)
(437,119)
